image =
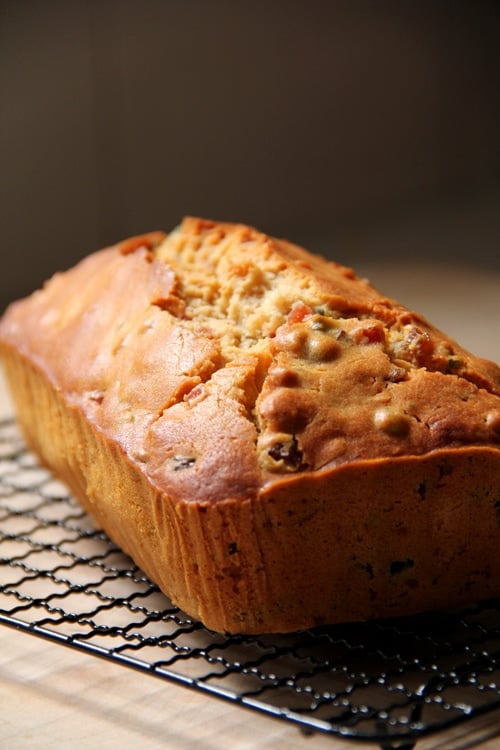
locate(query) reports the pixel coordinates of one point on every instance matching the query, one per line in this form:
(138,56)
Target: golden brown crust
(277,444)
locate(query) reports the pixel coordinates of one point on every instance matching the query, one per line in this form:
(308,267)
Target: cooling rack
(388,683)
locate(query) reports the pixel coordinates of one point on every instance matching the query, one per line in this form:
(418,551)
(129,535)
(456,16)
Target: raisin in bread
(273,441)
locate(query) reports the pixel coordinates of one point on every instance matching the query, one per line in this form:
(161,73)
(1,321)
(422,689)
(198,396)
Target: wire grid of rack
(389,682)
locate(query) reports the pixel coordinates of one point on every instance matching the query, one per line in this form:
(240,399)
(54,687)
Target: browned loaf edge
(274,533)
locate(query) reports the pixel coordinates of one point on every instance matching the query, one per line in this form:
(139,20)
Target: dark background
(365,130)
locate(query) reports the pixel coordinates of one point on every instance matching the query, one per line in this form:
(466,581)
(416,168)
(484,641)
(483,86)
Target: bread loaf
(275,443)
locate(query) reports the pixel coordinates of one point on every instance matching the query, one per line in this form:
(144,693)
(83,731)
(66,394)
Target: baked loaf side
(274,442)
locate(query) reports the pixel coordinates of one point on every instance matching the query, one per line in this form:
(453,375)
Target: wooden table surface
(52,696)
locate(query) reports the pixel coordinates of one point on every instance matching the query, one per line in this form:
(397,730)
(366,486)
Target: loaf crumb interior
(334,360)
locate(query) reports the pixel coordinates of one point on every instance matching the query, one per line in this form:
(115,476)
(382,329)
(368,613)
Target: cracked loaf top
(222,361)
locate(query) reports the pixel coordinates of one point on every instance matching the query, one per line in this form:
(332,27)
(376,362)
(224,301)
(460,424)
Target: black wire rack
(388,682)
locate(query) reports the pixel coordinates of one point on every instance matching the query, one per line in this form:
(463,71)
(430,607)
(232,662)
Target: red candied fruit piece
(370,334)
(298,312)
